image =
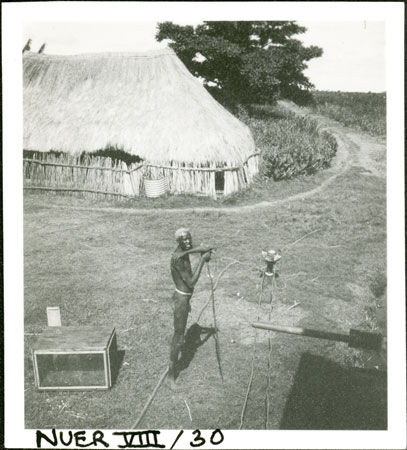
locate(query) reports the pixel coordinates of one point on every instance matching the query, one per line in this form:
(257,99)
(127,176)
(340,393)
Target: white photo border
(14,15)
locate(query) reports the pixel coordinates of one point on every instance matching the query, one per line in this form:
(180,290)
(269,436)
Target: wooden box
(75,358)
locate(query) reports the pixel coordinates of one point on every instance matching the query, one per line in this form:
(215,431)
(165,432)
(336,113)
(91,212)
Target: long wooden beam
(355,338)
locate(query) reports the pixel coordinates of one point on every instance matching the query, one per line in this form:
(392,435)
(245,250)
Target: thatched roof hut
(147,104)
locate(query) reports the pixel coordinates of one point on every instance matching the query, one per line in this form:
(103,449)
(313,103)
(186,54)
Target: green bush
(363,111)
(290,145)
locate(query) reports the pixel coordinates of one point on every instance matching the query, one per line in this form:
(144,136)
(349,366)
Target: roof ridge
(154,53)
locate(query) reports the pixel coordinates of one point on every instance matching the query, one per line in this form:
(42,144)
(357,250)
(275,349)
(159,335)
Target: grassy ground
(363,111)
(260,190)
(112,268)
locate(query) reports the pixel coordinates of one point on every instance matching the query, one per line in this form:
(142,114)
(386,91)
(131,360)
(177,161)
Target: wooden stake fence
(98,176)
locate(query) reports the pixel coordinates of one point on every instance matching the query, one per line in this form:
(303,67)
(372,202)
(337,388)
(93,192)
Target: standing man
(185,281)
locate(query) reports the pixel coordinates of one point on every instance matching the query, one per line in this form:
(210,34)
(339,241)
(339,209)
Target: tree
(244,62)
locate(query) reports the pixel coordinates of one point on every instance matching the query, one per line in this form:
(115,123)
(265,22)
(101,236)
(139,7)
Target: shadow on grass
(194,338)
(116,364)
(328,396)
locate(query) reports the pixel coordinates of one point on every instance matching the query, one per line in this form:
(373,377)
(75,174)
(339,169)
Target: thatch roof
(147,104)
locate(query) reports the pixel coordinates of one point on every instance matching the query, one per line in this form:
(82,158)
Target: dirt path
(370,154)
(354,149)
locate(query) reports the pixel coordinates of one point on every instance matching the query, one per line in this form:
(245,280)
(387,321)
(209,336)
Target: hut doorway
(220,182)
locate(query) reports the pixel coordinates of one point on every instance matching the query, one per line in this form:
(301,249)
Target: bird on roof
(27,46)
(42,48)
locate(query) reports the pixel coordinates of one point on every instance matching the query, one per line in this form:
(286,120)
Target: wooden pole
(151,398)
(217,348)
(302,331)
(356,338)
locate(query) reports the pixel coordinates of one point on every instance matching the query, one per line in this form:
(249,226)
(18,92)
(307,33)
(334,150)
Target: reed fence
(100,177)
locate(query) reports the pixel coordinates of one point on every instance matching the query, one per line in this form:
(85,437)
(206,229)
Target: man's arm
(200,249)
(189,280)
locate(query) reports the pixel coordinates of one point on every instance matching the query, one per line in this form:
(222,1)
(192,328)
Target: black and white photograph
(204,225)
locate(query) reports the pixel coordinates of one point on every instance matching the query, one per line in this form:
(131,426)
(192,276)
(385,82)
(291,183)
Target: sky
(353,58)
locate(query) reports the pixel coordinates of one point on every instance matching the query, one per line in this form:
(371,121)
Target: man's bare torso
(180,270)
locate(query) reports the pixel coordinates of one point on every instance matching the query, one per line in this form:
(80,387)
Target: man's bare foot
(170,382)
